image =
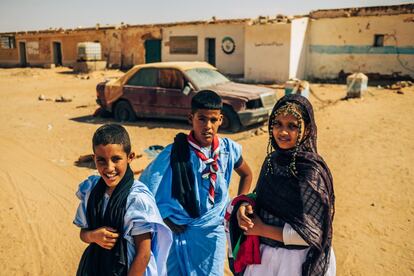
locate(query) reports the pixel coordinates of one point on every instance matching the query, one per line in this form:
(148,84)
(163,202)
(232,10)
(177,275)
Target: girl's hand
(264,230)
(105,237)
(257,229)
(245,210)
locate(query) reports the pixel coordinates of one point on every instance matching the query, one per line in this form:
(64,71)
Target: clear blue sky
(25,15)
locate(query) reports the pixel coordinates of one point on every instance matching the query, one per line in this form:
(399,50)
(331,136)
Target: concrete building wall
(122,47)
(38,49)
(298,47)
(232,64)
(346,43)
(267,52)
(39,46)
(9,57)
(111,44)
(133,43)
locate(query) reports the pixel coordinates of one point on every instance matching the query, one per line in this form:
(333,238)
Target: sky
(27,15)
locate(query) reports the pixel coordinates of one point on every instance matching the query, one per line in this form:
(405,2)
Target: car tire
(231,121)
(123,112)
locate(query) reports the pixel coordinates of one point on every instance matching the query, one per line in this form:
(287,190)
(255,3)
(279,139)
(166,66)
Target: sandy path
(368,144)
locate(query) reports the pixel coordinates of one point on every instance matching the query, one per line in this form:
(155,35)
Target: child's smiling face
(206,123)
(112,162)
(286,130)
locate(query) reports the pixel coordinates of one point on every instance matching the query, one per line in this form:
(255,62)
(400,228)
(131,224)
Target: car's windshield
(205,77)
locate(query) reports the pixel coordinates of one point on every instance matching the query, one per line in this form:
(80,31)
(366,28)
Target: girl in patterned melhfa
(293,206)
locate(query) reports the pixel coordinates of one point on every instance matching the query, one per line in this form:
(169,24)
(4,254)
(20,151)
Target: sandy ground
(368,144)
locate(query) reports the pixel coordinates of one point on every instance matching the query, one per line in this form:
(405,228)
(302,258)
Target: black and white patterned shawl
(302,197)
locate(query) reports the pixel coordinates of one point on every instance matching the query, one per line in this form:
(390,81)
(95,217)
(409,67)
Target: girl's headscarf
(296,185)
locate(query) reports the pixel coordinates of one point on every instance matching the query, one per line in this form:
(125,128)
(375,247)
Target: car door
(171,101)
(141,91)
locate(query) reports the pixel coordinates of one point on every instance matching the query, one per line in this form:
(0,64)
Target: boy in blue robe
(118,215)
(190,181)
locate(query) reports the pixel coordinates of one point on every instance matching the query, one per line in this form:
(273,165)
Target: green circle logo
(227,45)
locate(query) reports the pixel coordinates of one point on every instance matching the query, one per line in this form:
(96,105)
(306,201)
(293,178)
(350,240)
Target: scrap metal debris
(400,84)
(62,99)
(43,98)
(83,77)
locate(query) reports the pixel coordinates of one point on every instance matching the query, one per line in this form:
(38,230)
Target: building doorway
(211,51)
(152,50)
(57,53)
(22,51)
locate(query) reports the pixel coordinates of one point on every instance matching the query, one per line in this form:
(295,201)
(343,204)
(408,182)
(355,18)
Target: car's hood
(239,90)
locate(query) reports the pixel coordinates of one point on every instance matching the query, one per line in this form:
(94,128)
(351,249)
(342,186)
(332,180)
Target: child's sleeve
(291,237)
(141,228)
(83,193)
(138,216)
(142,216)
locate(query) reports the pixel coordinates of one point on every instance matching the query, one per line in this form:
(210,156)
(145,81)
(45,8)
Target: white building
(326,44)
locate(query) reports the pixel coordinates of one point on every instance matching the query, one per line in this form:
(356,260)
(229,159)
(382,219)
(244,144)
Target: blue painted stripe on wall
(351,49)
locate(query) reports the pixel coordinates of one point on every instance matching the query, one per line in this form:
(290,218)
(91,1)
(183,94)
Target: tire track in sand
(30,232)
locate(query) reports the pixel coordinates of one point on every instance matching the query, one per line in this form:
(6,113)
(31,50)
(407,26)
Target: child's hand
(105,237)
(243,216)
(257,228)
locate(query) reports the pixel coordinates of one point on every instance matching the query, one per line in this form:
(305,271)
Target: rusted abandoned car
(165,89)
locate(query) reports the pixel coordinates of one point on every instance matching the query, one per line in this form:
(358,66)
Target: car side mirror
(187,88)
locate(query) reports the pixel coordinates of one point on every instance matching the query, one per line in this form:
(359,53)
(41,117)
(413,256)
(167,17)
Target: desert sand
(368,144)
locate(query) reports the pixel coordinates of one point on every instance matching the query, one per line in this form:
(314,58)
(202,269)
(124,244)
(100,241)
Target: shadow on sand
(151,123)
(147,123)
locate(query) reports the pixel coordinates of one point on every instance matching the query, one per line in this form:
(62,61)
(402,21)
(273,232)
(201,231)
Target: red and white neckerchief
(211,163)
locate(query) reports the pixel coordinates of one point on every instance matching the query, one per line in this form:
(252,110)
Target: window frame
(7,42)
(183,45)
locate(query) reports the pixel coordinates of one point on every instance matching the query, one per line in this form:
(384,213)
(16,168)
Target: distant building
(374,40)
(219,42)
(326,44)
(275,49)
(122,46)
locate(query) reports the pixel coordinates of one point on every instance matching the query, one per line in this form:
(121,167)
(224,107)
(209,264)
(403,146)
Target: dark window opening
(183,45)
(378,40)
(7,42)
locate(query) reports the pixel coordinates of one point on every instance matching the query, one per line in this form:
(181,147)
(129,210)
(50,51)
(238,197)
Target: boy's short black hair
(111,134)
(206,99)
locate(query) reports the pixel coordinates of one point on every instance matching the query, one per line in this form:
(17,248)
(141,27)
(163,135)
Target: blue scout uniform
(200,249)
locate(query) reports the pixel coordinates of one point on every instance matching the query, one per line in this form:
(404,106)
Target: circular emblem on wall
(227,45)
